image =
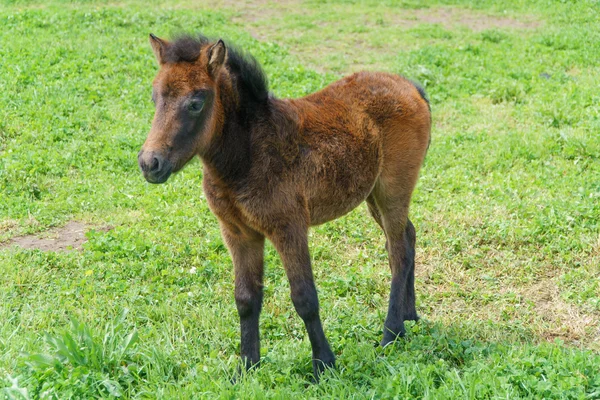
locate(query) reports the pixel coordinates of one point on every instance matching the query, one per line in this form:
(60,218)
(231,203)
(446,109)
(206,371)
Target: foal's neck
(230,156)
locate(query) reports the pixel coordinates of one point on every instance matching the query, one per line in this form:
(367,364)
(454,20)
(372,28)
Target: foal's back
(356,134)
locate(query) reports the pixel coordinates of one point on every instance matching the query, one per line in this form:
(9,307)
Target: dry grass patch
(486,294)
(556,318)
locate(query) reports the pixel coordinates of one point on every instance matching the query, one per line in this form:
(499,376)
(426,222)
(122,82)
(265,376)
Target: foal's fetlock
(391,334)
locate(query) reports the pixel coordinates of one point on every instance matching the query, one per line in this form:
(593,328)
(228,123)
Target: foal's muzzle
(155,167)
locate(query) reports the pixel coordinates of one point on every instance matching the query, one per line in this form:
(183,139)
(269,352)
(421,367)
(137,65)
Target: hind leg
(405,141)
(409,312)
(399,258)
(391,213)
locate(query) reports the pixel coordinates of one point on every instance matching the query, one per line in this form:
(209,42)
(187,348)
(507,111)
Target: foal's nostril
(155,165)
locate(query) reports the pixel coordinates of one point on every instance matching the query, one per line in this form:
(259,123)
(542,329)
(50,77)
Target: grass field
(507,209)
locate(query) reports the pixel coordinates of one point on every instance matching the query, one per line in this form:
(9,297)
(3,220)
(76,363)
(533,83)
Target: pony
(272,168)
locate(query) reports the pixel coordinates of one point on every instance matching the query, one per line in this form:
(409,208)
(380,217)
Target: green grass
(507,209)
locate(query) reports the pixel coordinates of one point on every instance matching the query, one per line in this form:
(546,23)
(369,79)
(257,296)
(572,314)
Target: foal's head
(188,109)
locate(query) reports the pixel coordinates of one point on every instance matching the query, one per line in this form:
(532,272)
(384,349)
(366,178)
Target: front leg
(247,249)
(291,242)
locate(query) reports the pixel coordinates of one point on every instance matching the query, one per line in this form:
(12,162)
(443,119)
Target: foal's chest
(222,202)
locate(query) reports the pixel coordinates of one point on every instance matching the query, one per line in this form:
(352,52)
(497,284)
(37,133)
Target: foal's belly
(338,180)
(325,209)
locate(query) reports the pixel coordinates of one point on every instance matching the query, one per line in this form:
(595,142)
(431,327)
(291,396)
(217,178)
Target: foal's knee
(306,302)
(248,302)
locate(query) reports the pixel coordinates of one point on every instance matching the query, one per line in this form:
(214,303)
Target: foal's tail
(421,92)
(424,96)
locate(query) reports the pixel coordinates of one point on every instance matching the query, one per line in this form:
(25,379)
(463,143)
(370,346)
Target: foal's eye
(195,106)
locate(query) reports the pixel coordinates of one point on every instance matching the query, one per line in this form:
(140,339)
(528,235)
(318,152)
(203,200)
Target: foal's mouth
(158,178)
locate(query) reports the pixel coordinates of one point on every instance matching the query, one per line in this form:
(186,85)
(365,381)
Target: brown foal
(274,167)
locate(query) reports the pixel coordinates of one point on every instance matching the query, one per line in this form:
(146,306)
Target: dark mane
(251,79)
(249,73)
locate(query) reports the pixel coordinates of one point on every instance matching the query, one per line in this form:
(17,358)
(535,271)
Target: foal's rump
(353,132)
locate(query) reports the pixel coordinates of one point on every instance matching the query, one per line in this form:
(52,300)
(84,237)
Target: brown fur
(274,167)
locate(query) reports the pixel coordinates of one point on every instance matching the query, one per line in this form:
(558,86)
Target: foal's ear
(216,57)
(158,47)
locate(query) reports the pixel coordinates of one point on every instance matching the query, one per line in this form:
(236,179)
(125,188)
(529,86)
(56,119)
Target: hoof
(242,369)
(390,335)
(413,316)
(319,366)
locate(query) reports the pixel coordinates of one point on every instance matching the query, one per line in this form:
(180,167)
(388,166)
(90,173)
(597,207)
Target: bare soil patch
(67,238)
(452,17)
